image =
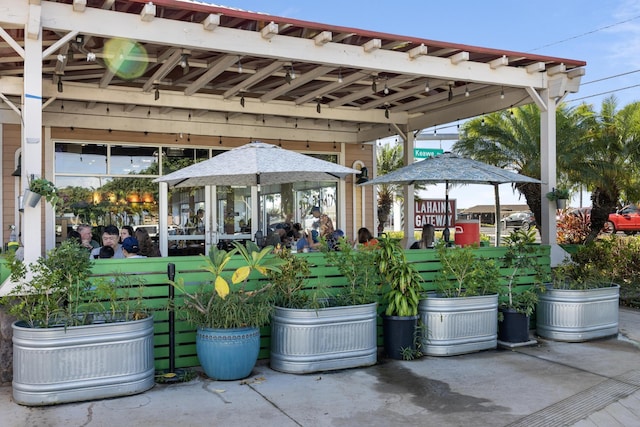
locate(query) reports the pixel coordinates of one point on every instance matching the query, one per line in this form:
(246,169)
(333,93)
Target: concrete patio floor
(549,384)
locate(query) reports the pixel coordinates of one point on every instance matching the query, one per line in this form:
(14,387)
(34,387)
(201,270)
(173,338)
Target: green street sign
(423,153)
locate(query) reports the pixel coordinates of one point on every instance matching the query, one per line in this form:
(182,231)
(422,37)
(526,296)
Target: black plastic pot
(399,333)
(514,327)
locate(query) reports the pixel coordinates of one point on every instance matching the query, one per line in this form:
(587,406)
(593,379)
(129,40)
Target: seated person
(427,240)
(105,253)
(110,237)
(365,238)
(130,248)
(309,240)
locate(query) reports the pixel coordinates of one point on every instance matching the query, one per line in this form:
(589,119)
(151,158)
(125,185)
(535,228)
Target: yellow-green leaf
(222,287)
(241,274)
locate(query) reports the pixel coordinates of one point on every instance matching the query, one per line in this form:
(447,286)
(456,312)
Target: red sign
(433,212)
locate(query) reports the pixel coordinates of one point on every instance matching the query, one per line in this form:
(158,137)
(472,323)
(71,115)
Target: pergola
(218,71)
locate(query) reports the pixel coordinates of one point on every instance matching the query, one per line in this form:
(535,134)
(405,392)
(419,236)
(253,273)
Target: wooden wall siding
(353,153)
(10,143)
(326,277)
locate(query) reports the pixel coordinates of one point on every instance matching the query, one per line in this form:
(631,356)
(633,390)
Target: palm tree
(607,160)
(511,139)
(389,158)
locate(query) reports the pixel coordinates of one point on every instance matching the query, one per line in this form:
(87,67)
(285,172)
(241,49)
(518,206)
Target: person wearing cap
(325,223)
(130,248)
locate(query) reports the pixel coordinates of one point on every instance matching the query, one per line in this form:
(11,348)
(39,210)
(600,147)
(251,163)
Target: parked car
(523,220)
(626,219)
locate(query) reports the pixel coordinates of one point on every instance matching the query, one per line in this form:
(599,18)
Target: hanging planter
(41,188)
(31,199)
(560,195)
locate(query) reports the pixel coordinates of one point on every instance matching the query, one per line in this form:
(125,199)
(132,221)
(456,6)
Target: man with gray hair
(86,237)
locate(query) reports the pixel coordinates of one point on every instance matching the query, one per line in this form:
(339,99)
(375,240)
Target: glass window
(81,158)
(127,160)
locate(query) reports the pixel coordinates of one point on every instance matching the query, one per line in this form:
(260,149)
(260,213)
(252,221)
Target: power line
(604,93)
(610,77)
(587,33)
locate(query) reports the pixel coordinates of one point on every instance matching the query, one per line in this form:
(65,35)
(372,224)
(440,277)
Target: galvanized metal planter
(58,365)
(578,315)
(304,341)
(459,325)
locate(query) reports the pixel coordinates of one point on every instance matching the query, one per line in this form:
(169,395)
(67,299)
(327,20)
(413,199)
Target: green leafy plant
(45,188)
(416,352)
(360,270)
(289,282)
(520,256)
(588,268)
(558,193)
(218,304)
(403,280)
(59,292)
(464,274)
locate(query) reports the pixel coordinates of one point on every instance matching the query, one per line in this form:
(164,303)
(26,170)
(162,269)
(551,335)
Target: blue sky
(604,33)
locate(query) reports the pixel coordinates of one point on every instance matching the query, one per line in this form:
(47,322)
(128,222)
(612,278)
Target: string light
(426,86)
(466,90)
(502,93)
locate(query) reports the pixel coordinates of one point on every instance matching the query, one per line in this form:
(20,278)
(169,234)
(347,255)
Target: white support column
(163,220)
(32,143)
(548,167)
(409,205)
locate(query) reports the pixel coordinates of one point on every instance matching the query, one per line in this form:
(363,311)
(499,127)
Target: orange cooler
(467,232)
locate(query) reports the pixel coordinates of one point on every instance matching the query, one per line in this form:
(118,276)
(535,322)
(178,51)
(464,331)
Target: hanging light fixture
(374,85)
(426,86)
(364,175)
(318,107)
(386,88)
(184,63)
(287,77)
(340,75)
(60,88)
(220,140)
(502,93)
(157,94)
(242,101)
(239,65)
(386,111)
(450,97)
(466,90)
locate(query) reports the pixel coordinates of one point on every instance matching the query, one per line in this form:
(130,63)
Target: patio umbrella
(450,168)
(254,164)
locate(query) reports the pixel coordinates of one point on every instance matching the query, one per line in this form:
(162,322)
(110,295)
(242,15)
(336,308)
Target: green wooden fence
(156,290)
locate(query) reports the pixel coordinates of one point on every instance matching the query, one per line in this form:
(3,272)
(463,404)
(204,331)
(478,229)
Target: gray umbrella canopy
(256,163)
(450,168)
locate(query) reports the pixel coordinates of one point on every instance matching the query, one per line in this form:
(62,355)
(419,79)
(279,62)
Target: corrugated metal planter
(58,365)
(578,315)
(304,341)
(459,325)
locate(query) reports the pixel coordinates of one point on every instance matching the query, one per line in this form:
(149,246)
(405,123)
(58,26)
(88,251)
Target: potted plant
(228,316)
(313,331)
(99,338)
(581,303)
(40,187)
(401,284)
(560,195)
(461,317)
(517,305)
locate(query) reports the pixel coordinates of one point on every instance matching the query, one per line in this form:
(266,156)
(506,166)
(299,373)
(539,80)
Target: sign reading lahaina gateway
(433,212)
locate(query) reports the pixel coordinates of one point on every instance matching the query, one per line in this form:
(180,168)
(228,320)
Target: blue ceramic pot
(228,354)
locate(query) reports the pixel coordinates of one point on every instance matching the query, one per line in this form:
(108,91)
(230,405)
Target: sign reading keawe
(433,212)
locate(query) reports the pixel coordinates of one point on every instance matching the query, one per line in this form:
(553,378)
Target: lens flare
(125,58)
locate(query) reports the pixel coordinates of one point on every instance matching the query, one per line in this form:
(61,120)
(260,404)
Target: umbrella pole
(446,233)
(498,209)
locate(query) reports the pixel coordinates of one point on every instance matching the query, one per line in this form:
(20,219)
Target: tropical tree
(389,158)
(510,139)
(607,159)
